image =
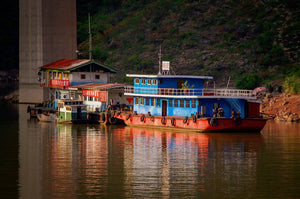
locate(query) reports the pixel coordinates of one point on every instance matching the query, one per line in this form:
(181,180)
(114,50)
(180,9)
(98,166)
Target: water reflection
(59,161)
(189,164)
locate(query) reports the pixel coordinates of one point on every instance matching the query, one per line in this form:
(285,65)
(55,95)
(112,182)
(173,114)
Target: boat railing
(189,92)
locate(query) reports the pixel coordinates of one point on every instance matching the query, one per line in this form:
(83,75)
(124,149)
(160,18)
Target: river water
(46,160)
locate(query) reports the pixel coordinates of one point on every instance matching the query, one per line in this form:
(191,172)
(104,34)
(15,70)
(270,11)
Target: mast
(90,39)
(159,61)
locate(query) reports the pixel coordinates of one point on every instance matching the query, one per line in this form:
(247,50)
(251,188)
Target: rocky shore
(281,106)
(13,97)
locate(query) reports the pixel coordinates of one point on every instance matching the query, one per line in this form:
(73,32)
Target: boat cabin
(68,79)
(71,111)
(180,95)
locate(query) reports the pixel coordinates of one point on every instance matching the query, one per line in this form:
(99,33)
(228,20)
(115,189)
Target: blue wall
(226,104)
(144,86)
(166,83)
(171,111)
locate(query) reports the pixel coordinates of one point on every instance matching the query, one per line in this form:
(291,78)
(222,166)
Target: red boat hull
(192,123)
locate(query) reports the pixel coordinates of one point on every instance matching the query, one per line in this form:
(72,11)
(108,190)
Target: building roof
(73,64)
(99,86)
(169,76)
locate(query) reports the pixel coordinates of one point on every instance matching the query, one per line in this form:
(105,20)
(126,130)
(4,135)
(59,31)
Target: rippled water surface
(46,160)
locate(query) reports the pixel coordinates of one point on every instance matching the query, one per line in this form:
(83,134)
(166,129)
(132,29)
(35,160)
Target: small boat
(182,101)
(47,117)
(40,108)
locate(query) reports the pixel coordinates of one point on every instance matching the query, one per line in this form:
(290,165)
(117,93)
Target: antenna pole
(90,39)
(228,82)
(159,61)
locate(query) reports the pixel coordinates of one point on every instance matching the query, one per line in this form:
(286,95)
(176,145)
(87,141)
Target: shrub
(100,53)
(292,84)
(248,81)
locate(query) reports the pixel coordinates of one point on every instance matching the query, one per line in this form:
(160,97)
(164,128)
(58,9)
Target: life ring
(103,117)
(237,121)
(163,120)
(128,116)
(194,119)
(142,118)
(173,121)
(113,120)
(152,118)
(185,120)
(213,122)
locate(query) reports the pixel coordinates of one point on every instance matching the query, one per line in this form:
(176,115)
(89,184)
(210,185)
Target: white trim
(189,96)
(168,76)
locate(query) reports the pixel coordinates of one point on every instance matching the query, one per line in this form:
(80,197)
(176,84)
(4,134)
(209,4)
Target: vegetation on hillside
(254,42)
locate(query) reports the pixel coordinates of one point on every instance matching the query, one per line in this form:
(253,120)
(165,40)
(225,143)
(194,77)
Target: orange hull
(192,123)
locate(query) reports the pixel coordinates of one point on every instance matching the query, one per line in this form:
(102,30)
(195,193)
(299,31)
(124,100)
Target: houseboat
(181,101)
(75,80)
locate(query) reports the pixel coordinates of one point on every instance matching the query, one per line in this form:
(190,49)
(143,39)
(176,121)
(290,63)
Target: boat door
(79,112)
(164,108)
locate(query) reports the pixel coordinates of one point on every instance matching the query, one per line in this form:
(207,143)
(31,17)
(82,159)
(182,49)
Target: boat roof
(73,64)
(99,86)
(169,76)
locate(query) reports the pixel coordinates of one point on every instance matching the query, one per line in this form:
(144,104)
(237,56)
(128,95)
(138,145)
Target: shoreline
(277,106)
(281,106)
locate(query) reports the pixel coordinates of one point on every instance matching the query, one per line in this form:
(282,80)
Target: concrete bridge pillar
(47,33)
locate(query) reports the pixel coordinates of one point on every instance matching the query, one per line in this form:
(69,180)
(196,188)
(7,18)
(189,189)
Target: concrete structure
(47,33)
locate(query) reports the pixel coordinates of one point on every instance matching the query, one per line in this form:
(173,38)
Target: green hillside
(255,42)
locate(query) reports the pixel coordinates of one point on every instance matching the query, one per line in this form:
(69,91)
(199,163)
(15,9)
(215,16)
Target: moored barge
(181,101)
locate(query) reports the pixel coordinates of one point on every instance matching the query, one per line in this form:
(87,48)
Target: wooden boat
(67,111)
(47,117)
(39,109)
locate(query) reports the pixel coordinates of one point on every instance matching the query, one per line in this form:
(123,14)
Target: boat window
(187,103)
(91,99)
(154,82)
(148,81)
(147,101)
(158,102)
(97,76)
(136,100)
(170,103)
(193,103)
(69,108)
(152,101)
(142,101)
(82,76)
(143,81)
(137,81)
(54,75)
(181,103)
(176,103)
(66,76)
